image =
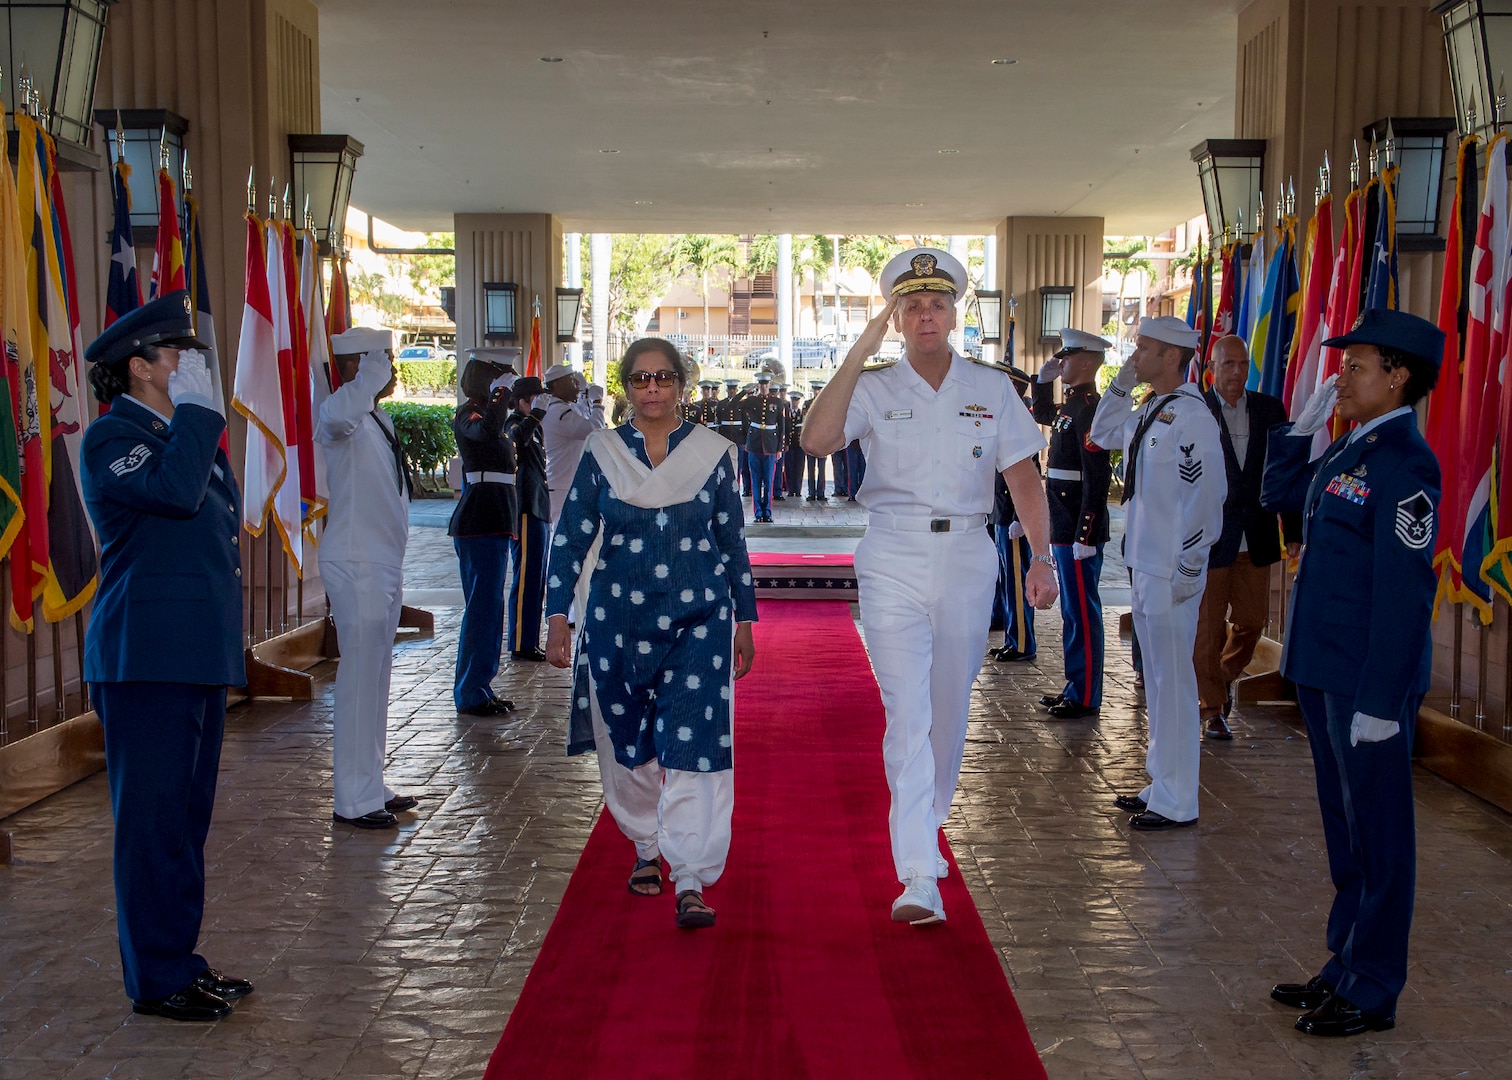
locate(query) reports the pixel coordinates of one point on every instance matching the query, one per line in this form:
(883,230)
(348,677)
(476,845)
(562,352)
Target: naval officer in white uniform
(362,565)
(570,418)
(936,429)
(1174,487)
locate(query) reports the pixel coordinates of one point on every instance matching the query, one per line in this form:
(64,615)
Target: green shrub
(425,432)
(433,378)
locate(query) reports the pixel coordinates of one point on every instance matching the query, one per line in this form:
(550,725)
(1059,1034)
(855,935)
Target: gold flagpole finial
(252,190)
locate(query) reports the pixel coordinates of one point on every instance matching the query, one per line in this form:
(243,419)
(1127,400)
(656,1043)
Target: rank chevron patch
(1414,521)
(1191,471)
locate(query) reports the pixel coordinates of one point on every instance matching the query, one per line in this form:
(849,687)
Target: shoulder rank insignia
(1414,521)
(878,365)
(985,364)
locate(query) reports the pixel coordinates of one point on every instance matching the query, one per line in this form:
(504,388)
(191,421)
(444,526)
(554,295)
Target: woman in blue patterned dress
(665,613)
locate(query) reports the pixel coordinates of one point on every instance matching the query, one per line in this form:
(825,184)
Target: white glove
(1083,551)
(1126,379)
(1319,408)
(1366,728)
(1015,530)
(1050,370)
(191,383)
(505,380)
(595,394)
(1184,586)
(374,370)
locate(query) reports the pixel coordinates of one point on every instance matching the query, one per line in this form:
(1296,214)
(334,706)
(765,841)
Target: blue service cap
(168,320)
(1398,330)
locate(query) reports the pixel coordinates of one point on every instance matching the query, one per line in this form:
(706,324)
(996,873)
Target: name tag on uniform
(898,414)
(1351,488)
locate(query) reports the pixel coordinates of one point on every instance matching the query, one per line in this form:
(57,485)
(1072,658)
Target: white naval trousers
(365,602)
(1167,633)
(682,816)
(926,604)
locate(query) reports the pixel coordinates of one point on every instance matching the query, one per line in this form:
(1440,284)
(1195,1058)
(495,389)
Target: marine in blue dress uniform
(482,529)
(1077,476)
(815,466)
(164,641)
(527,593)
(763,424)
(1358,647)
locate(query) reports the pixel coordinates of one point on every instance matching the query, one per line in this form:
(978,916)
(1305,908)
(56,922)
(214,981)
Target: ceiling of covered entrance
(837,116)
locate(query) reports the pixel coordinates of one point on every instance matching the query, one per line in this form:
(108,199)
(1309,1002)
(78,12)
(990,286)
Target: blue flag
(123,292)
(1282,295)
(1193,307)
(1381,286)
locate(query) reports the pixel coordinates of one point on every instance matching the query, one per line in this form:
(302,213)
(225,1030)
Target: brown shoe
(1217,728)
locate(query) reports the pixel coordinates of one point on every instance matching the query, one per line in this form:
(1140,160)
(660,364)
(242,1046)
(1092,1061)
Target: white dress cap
(1171,330)
(361,339)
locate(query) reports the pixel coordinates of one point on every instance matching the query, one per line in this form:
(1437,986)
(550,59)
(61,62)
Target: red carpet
(804,976)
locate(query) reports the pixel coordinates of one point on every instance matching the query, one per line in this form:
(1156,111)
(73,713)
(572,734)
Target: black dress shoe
(1217,728)
(378,819)
(534,655)
(491,707)
(1011,656)
(223,986)
(1052,699)
(400,803)
(1132,803)
(1150,821)
(1308,995)
(192,1003)
(1072,710)
(1337,1017)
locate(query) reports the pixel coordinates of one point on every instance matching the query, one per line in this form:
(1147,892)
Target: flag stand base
(45,763)
(279,667)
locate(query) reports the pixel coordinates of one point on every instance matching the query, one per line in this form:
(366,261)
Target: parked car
(807,352)
(421,352)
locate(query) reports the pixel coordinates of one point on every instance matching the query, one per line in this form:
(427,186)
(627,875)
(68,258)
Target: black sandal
(638,878)
(690,917)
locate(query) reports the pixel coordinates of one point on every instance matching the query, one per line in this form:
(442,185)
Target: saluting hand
(1319,408)
(871,338)
(191,379)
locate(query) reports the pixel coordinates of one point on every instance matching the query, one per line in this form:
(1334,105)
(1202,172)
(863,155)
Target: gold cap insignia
(923,264)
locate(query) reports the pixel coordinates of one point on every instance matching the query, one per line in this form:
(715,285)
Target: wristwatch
(1049,559)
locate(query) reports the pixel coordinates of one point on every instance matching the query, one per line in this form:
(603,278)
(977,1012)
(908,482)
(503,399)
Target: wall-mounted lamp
(500,321)
(569,303)
(990,315)
(1055,311)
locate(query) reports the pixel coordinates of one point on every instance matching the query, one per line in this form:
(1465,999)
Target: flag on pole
(1317,263)
(1488,281)
(1338,317)
(304,431)
(286,499)
(19,451)
(1194,305)
(1444,401)
(168,256)
(123,292)
(1008,328)
(318,350)
(1254,284)
(533,362)
(1381,279)
(339,314)
(1282,318)
(1228,298)
(256,392)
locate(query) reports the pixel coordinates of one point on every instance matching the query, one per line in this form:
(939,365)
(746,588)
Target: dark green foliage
(425,431)
(431,378)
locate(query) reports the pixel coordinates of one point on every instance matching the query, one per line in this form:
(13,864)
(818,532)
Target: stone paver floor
(400,955)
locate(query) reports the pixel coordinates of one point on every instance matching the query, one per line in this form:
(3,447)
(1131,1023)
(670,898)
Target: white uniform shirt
(565,429)
(1176,514)
(934,453)
(367,519)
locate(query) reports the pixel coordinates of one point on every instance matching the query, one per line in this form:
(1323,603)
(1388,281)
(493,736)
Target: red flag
(1340,313)
(1444,402)
(339,314)
(533,361)
(168,256)
(303,427)
(1307,346)
(286,500)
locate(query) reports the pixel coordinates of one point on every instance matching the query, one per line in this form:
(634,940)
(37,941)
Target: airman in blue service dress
(1077,476)
(164,642)
(1358,648)
(528,551)
(482,529)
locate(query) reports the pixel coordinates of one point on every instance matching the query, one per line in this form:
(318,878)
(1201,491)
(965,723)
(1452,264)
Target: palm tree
(1124,265)
(701,253)
(869,254)
(811,254)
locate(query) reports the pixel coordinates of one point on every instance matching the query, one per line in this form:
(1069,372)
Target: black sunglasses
(642,379)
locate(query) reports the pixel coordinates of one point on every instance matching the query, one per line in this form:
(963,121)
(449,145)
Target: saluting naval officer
(1359,649)
(568,422)
(763,422)
(362,565)
(164,641)
(1077,476)
(483,530)
(936,428)
(1174,486)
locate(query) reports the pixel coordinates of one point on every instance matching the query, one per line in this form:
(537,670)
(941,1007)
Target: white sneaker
(920,904)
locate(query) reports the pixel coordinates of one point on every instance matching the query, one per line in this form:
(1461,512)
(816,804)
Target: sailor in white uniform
(362,565)
(936,429)
(1174,487)
(568,422)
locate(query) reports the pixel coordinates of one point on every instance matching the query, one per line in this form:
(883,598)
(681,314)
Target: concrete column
(1032,252)
(958,248)
(522,248)
(575,281)
(785,301)
(992,353)
(599,247)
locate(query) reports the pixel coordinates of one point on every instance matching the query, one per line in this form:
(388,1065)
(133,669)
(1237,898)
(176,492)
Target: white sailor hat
(1171,330)
(555,372)
(361,339)
(1074,340)
(923,269)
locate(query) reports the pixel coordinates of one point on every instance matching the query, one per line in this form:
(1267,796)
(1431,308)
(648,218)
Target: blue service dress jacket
(1363,598)
(167,510)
